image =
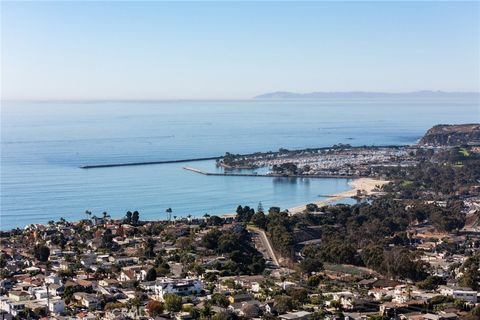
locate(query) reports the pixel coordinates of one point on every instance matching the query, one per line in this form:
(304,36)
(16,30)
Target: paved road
(265,243)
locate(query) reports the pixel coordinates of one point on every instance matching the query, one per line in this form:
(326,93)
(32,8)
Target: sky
(233,50)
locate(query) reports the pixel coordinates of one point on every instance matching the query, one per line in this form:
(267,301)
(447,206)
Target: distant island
(285,95)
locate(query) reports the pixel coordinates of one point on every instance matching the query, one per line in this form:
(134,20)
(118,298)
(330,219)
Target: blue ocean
(44,143)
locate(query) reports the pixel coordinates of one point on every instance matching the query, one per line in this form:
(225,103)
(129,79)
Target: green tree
(151,275)
(431,283)
(310,265)
(471,275)
(169,213)
(314,281)
(149,246)
(135,218)
(107,239)
(173,302)
(220,300)
(128,217)
(210,240)
(259,219)
(283,304)
(41,252)
(260,207)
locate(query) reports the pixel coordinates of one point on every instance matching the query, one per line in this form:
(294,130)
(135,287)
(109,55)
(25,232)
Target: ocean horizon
(44,143)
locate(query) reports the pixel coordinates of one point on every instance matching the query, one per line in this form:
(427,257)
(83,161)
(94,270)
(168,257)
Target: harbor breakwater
(129,164)
(232,174)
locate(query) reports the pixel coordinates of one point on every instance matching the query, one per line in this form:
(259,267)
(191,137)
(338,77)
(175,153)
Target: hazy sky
(161,50)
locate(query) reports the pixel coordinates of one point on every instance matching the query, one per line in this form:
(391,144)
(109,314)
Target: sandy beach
(366,185)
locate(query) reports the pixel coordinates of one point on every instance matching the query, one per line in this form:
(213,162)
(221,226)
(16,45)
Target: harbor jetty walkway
(127,164)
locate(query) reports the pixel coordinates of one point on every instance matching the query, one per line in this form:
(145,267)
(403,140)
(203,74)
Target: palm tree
(169,213)
(189,216)
(105,215)
(88,213)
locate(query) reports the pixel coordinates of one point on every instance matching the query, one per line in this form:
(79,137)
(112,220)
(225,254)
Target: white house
(466,294)
(11,307)
(346,298)
(41,294)
(53,278)
(181,287)
(137,273)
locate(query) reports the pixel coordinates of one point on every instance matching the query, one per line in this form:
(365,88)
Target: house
(379,293)
(355,316)
(242,308)
(250,310)
(181,287)
(133,273)
(11,307)
(123,260)
(37,306)
(108,282)
(299,315)
(88,259)
(41,294)
(286,284)
(56,305)
(440,316)
(366,283)
(53,278)
(19,296)
(268,307)
(86,283)
(56,289)
(251,283)
(87,300)
(346,298)
(466,294)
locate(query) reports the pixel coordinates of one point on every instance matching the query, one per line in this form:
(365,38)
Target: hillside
(284,95)
(452,135)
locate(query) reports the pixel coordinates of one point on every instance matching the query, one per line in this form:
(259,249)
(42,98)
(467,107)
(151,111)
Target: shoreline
(366,185)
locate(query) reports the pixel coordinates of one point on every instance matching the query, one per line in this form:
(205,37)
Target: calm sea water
(43,144)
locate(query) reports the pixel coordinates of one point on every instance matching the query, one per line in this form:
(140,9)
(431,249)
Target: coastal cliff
(452,135)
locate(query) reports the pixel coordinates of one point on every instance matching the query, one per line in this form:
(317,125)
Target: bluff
(452,135)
